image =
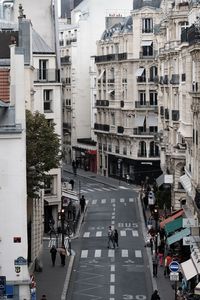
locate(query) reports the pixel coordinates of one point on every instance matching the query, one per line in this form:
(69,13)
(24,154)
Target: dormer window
(147,25)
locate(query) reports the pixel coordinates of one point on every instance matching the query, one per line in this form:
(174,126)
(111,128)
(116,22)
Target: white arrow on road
(127,297)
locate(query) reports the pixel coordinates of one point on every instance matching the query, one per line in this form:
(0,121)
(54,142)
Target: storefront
(86,159)
(138,170)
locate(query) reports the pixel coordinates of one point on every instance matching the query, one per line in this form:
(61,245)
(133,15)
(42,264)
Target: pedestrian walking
(115,236)
(155,264)
(111,237)
(155,295)
(72,183)
(82,203)
(168,260)
(53,252)
(63,254)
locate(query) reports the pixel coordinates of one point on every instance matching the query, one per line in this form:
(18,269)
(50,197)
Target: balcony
(65,60)
(44,75)
(165,79)
(139,105)
(110,57)
(111,80)
(142,131)
(113,129)
(102,103)
(142,154)
(101,127)
(175,79)
(141,79)
(175,115)
(154,79)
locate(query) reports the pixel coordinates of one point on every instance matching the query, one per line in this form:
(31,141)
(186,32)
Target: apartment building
(15,276)
(127,98)
(79,38)
(43,94)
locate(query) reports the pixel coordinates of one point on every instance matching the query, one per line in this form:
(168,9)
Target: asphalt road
(110,274)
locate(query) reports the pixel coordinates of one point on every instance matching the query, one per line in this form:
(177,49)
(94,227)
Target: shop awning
(139,72)
(178,236)
(197,289)
(69,196)
(173,225)
(186,183)
(101,74)
(152,120)
(174,216)
(164,178)
(188,268)
(139,121)
(146,43)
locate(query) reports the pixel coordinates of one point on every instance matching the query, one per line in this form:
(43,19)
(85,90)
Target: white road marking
(113,222)
(112,268)
(112,289)
(111,253)
(97,253)
(124,253)
(122,232)
(113,217)
(138,253)
(83,191)
(135,233)
(84,253)
(122,200)
(94,201)
(112,278)
(131,200)
(90,190)
(105,189)
(103,201)
(86,235)
(99,190)
(112,200)
(98,233)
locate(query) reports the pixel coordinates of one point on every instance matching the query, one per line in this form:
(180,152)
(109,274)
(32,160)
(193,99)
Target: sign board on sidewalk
(174,276)
(174,266)
(190,222)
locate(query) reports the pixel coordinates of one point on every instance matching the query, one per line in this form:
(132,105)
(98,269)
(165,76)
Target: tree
(43,151)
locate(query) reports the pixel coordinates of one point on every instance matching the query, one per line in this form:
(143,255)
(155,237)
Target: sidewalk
(54,281)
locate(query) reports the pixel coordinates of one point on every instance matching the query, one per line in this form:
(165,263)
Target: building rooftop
(39,45)
(123,27)
(137,4)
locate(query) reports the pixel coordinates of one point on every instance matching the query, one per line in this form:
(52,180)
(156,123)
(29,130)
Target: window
(47,98)
(48,186)
(147,50)
(147,25)
(142,98)
(110,148)
(43,69)
(154,150)
(112,119)
(153,73)
(153,98)
(117,149)
(124,151)
(142,149)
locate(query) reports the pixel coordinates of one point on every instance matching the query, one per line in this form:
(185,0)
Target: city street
(102,273)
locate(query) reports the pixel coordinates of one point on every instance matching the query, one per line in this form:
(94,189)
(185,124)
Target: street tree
(43,151)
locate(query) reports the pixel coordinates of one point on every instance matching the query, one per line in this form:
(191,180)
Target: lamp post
(62,226)
(156,216)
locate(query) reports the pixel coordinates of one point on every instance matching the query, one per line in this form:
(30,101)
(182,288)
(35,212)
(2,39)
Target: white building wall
(13,187)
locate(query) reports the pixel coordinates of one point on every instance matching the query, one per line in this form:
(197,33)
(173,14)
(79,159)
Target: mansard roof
(122,27)
(137,4)
(39,45)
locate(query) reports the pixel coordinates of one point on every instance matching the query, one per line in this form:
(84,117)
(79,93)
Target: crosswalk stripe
(135,233)
(112,188)
(98,233)
(138,253)
(97,253)
(94,201)
(112,289)
(86,234)
(103,201)
(111,253)
(84,253)
(112,200)
(99,190)
(122,200)
(105,189)
(90,190)
(83,191)
(131,199)
(124,253)
(112,278)
(122,232)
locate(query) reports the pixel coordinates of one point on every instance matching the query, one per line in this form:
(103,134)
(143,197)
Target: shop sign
(174,276)
(190,222)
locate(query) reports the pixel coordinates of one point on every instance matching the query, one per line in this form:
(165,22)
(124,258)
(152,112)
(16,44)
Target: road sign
(174,266)
(174,276)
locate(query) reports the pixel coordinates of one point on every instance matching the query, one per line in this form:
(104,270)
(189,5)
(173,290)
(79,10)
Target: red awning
(174,216)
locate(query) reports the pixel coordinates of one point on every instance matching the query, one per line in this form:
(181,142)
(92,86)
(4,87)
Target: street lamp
(62,225)
(156,216)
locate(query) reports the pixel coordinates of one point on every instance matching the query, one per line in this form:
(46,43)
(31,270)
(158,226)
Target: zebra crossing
(55,242)
(111,253)
(122,233)
(112,201)
(94,189)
